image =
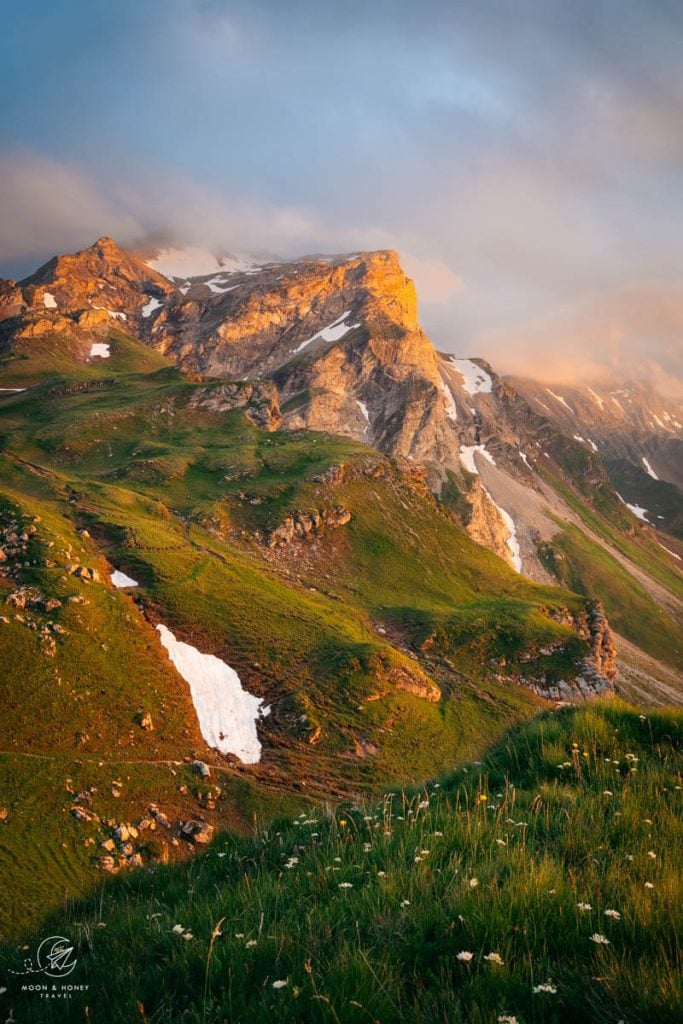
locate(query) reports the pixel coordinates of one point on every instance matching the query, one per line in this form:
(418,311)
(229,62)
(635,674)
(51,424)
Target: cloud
(434,280)
(48,207)
(629,334)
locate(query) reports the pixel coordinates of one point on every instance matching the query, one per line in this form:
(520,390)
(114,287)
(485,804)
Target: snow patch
(227,714)
(101,349)
(149,307)
(586,440)
(524,459)
(670,552)
(560,399)
(364,409)
(596,397)
(649,469)
(112,313)
(638,512)
(12,389)
(512,542)
(49,301)
(195,262)
(334,332)
(467,453)
(119,579)
(451,409)
(475,380)
(214,285)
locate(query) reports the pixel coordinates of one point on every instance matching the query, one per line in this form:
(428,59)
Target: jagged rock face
(486,525)
(103,277)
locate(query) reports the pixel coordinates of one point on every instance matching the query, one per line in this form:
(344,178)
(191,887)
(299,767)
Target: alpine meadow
(341,513)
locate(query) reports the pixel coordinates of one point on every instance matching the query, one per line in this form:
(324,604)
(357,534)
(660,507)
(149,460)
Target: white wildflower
(600,940)
(473,883)
(346,885)
(280,983)
(547,987)
(405,903)
(649,885)
(494,958)
(614,914)
(584,907)
(178,929)
(250,943)
(464,955)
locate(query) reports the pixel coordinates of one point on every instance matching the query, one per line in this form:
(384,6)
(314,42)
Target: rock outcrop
(306,524)
(258,399)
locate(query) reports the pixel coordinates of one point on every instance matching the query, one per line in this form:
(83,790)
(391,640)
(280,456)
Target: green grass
(584,566)
(624,533)
(580,806)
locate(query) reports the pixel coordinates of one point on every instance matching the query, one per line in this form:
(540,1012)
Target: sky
(524,157)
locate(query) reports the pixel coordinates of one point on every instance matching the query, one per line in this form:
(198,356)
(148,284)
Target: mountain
(267,478)
(638,433)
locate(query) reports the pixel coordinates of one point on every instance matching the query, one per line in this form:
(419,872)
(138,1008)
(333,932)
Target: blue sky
(523,157)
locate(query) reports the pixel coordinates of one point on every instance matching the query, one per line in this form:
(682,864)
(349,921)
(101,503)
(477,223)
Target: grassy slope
(586,567)
(166,494)
(625,534)
(362,912)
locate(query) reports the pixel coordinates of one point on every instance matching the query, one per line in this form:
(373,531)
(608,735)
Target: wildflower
(547,987)
(494,958)
(652,855)
(423,805)
(607,792)
(584,907)
(629,856)
(405,903)
(424,853)
(440,834)
(483,798)
(614,914)
(188,936)
(507,1018)
(178,929)
(346,885)
(600,940)
(643,718)
(473,883)
(464,955)
(418,860)
(342,822)
(281,983)
(381,874)
(250,943)
(337,860)
(501,842)
(649,885)
(239,935)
